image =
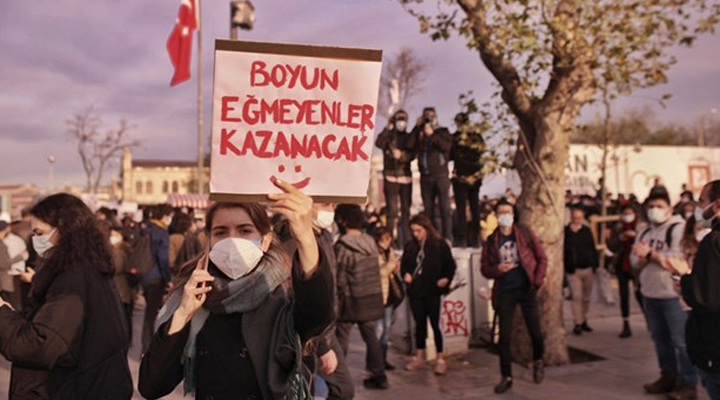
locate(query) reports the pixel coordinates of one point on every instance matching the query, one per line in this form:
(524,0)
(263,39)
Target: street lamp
(242,16)
(51,172)
(701,132)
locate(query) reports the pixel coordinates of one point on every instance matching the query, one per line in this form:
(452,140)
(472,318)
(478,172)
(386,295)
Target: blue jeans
(382,326)
(666,323)
(711,381)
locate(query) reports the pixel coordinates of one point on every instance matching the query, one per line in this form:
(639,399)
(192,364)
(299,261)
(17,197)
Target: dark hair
(577,208)
(380,231)
(628,206)
(160,211)
(81,241)
(424,221)
(398,113)
(181,224)
(504,202)
(688,243)
(350,216)
(713,188)
(658,195)
(429,109)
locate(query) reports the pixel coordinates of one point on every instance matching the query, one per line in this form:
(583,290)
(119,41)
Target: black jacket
(438,263)
(71,340)
(466,152)
(433,152)
(579,251)
(701,291)
(390,139)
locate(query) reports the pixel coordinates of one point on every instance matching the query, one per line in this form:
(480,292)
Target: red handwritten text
(453,318)
(286,75)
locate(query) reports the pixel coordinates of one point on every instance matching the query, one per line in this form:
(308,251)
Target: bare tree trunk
(540,163)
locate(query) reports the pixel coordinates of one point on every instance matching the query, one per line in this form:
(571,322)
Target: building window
(175,187)
(165,186)
(148,187)
(138,187)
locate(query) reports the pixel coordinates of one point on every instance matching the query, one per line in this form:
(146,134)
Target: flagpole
(200,156)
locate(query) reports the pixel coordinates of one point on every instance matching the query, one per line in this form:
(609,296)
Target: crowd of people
(258,300)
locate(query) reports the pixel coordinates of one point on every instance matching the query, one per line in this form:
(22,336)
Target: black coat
(390,139)
(433,154)
(71,340)
(700,291)
(579,251)
(438,263)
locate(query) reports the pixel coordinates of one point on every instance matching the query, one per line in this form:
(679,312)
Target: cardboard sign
(302,114)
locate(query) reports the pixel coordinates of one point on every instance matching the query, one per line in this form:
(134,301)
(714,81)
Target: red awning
(191,200)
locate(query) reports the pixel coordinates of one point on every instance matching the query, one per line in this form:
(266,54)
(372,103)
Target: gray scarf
(227,296)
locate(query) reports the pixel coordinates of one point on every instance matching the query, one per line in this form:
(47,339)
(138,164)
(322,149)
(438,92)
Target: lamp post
(51,172)
(242,16)
(701,132)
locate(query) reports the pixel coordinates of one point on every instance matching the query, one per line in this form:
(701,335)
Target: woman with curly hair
(70,341)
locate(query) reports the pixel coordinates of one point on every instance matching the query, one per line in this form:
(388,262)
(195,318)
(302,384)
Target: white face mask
(658,215)
(401,125)
(628,218)
(236,257)
(700,235)
(505,220)
(324,219)
(700,219)
(42,243)
(115,240)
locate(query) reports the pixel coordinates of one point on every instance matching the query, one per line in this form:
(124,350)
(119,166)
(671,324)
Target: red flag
(179,44)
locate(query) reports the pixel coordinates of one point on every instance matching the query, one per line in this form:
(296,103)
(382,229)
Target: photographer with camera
(398,147)
(433,152)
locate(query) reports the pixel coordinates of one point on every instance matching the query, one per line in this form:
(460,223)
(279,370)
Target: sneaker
(578,330)
(440,367)
(586,327)
(538,371)
(683,393)
(663,385)
(415,364)
(504,385)
(376,382)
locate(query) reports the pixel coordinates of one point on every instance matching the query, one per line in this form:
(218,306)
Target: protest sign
(302,114)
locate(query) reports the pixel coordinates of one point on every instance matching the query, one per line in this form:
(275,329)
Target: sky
(58,58)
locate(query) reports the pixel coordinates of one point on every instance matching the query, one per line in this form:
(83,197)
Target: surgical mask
(42,243)
(658,215)
(700,235)
(401,125)
(505,220)
(167,220)
(628,218)
(324,219)
(700,219)
(236,257)
(115,240)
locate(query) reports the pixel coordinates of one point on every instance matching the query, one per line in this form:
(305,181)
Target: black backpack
(140,259)
(362,292)
(668,234)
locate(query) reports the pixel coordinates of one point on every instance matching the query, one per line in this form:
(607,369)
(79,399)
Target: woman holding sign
(229,329)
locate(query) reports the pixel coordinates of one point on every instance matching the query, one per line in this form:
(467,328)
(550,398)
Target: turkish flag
(179,44)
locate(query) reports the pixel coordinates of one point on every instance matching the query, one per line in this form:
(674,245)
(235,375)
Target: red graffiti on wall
(453,319)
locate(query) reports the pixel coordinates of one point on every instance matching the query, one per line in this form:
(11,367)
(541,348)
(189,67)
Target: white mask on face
(324,219)
(236,257)
(628,218)
(505,220)
(658,215)
(115,240)
(401,125)
(700,219)
(700,235)
(42,243)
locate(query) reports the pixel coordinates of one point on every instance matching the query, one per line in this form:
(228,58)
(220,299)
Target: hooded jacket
(656,281)
(359,291)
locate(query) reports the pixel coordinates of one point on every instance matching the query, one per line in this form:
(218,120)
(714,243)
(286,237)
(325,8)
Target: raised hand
(193,297)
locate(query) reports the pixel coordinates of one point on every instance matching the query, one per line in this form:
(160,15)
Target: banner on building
(302,114)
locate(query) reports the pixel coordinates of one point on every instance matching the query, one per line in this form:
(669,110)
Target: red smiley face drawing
(301,184)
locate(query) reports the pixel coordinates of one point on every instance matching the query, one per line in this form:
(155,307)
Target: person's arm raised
(296,206)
